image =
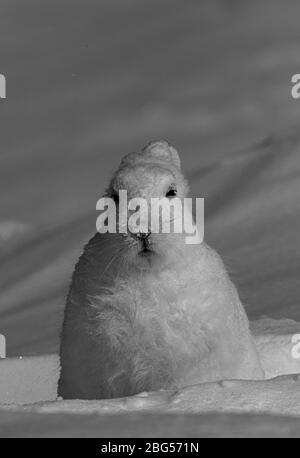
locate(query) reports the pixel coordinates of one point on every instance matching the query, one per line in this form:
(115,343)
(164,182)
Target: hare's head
(155,172)
(149,176)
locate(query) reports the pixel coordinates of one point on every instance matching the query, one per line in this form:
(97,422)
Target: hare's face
(149,229)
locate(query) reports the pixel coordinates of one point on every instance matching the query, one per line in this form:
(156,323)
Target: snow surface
(32,379)
(212,77)
(28,396)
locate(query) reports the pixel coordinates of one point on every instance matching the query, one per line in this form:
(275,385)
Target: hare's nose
(141,235)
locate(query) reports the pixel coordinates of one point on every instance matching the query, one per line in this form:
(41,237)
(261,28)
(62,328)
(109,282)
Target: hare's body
(138,321)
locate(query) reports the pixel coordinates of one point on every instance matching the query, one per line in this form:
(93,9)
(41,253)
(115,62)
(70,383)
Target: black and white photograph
(149,222)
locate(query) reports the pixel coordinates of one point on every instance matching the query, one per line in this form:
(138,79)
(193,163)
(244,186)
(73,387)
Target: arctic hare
(148,311)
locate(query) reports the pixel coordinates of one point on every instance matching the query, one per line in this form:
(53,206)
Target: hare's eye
(115,197)
(171,193)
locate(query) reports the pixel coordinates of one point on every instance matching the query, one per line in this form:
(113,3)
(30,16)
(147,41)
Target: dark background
(88,81)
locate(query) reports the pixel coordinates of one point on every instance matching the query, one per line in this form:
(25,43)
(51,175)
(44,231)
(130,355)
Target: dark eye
(115,197)
(171,193)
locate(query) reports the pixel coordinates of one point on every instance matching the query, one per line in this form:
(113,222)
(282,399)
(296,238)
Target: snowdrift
(29,403)
(59,159)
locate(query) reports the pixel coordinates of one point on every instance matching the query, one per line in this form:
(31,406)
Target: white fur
(140,323)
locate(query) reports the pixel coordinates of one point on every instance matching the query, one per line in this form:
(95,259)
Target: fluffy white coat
(136,322)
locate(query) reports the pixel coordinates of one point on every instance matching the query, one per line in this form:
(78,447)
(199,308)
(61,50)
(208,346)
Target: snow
(10,230)
(33,379)
(212,79)
(274,340)
(28,380)
(28,389)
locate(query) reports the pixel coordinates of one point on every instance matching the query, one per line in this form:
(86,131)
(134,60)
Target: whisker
(113,258)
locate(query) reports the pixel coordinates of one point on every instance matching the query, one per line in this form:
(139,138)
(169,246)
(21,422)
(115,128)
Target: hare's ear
(162,151)
(131,158)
